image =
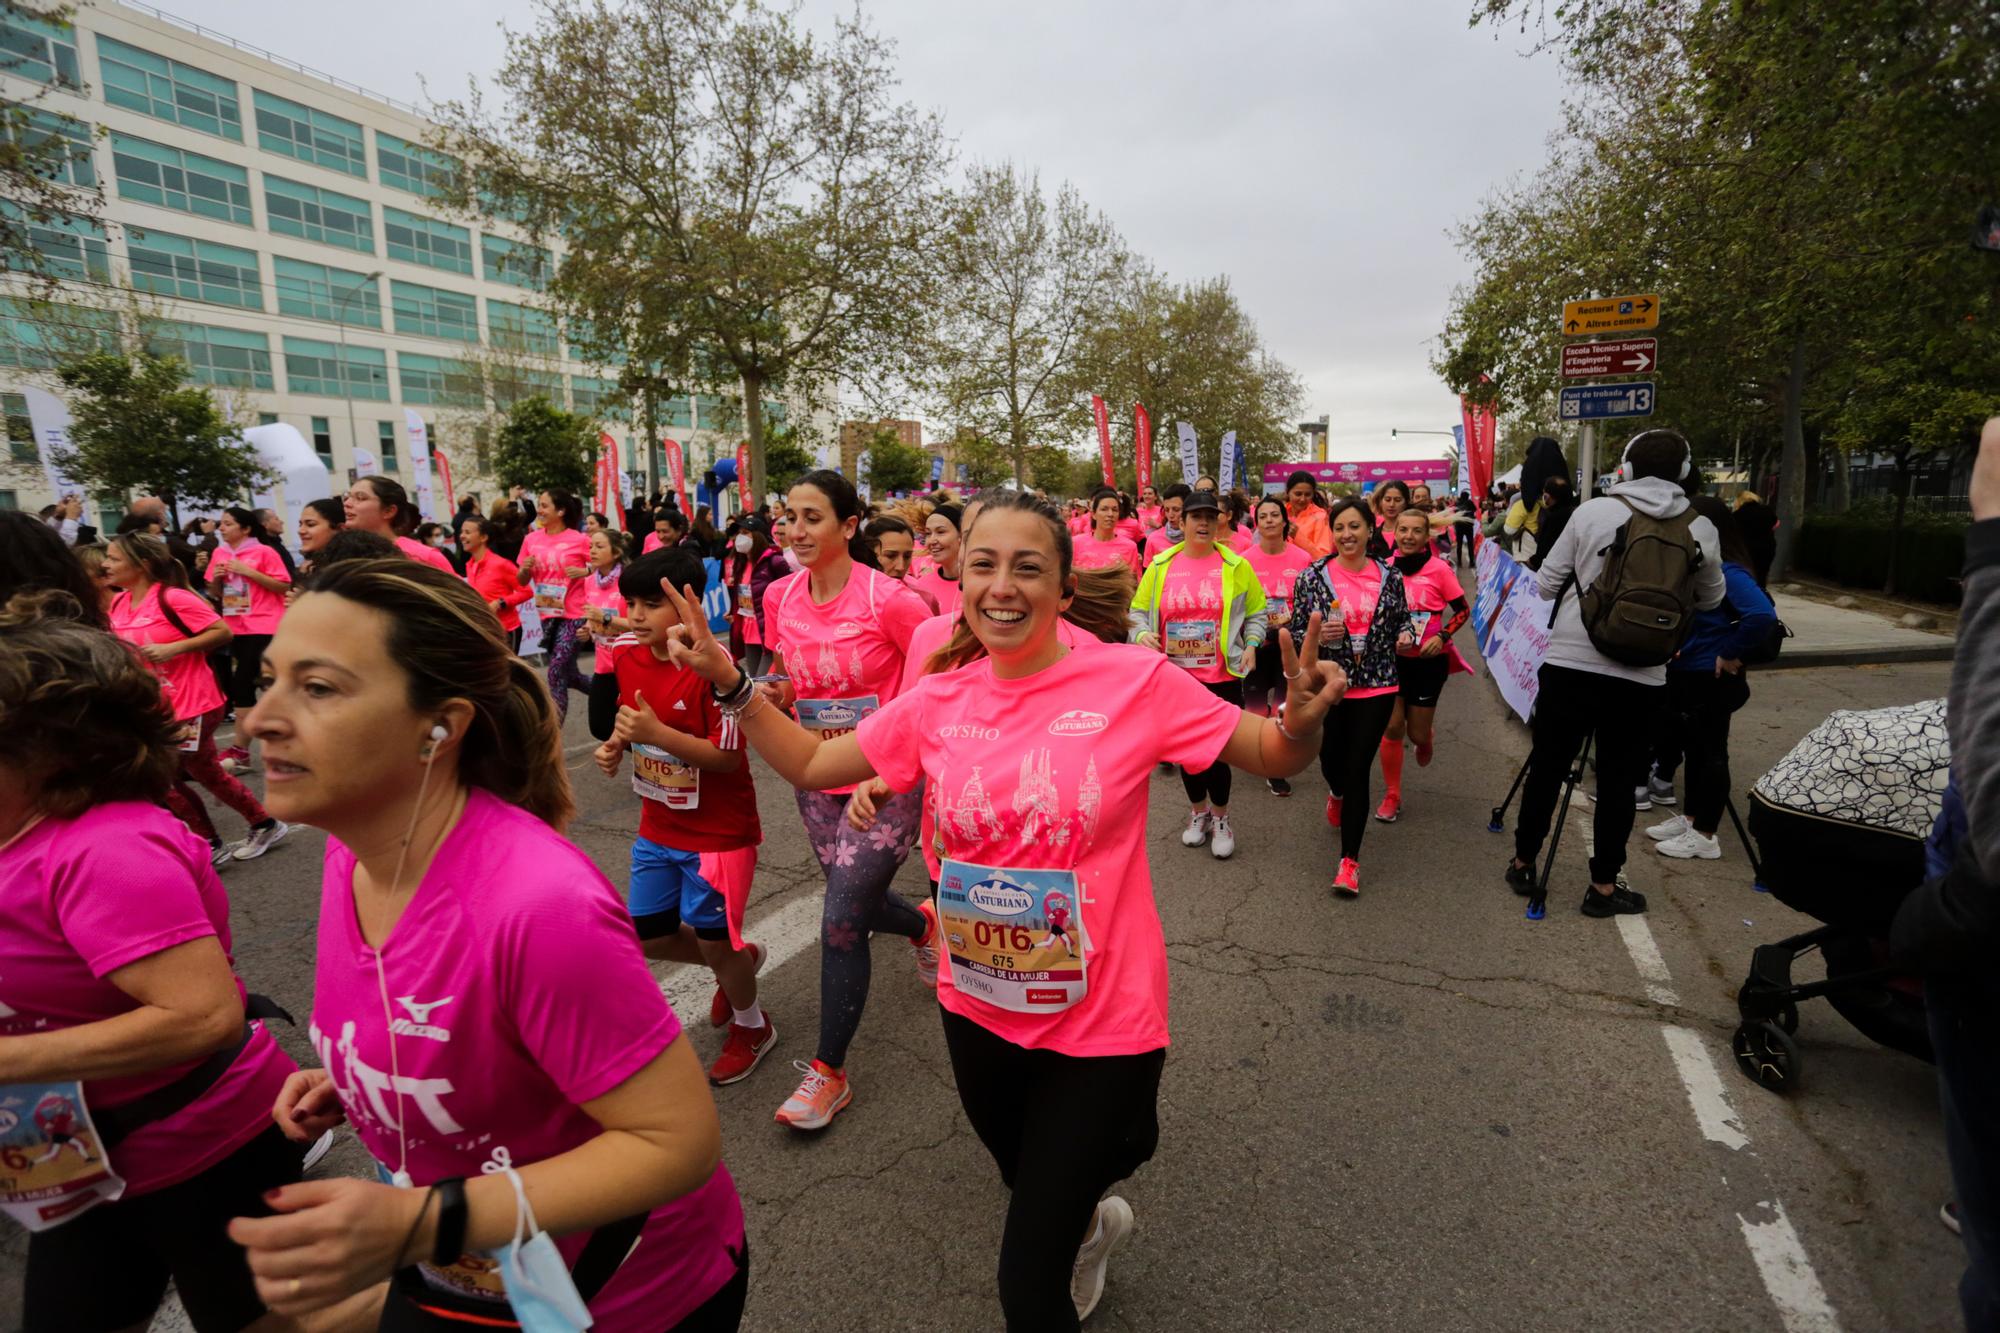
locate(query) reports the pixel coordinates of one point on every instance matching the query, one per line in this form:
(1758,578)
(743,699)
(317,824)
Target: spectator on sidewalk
(1758,523)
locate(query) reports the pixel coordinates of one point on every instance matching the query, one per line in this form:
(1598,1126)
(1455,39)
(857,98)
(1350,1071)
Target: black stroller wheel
(1767,1053)
(1788,1018)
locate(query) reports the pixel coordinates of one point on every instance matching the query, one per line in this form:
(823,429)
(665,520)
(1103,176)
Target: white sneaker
(1196,832)
(1661,792)
(1690,846)
(1642,797)
(1108,1231)
(262,840)
(1222,840)
(1671,827)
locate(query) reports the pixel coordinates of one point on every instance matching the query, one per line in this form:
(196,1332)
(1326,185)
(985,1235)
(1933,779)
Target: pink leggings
(201,766)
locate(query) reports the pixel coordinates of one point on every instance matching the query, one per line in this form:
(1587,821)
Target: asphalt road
(1412,1111)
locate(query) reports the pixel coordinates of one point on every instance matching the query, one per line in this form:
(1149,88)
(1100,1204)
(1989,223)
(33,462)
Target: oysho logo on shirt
(1076,722)
(964,732)
(419,1024)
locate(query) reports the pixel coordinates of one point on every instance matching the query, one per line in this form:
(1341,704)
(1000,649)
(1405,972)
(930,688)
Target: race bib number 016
(1191,643)
(1013,937)
(835,717)
(52,1163)
(551,596)
(658,776)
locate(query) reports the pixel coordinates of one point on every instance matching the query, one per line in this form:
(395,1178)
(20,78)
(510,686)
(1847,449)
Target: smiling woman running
(1054,993)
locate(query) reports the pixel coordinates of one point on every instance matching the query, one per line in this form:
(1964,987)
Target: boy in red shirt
(696,852)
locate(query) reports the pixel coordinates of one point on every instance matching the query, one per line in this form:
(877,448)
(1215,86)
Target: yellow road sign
(1610,314)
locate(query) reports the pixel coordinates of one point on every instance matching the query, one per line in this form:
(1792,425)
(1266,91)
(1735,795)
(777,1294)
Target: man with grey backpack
(1627,576)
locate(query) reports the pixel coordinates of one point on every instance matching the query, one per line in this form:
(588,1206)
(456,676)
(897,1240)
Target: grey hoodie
(1579,554)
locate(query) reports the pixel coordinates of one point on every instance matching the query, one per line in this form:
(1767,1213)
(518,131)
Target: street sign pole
(1587,458)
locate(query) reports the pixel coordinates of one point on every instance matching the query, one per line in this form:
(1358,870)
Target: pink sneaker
(1347,882)
(1390,810)
(822,1094)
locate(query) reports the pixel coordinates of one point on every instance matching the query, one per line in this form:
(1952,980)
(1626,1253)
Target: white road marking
(1646,957)
(1712,1111)
(1788,1275)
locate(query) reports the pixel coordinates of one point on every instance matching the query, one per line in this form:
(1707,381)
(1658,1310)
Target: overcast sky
(1314,151)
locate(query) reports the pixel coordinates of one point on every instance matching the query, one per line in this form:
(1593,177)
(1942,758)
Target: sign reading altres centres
(1610,314)
(1431,471)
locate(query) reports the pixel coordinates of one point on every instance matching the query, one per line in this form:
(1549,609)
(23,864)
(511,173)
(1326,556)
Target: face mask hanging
(540,1290)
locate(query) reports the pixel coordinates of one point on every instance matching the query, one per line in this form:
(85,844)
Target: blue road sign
(1597,402)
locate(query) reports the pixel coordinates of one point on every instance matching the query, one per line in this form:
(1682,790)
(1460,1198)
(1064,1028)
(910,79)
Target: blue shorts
(669,887)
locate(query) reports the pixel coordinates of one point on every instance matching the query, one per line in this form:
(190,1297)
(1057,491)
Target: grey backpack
(1640,607)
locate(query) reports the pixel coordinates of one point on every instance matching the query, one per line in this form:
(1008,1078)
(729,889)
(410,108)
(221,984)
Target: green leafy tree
(46,176)
(542,447)
(895,466)
(788,457)
(136,424)
(986,460)
(738,200)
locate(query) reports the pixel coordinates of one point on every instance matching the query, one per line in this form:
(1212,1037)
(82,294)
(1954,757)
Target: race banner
(420,461)
(1142,447)
(444,478)
(366,464)
(1510,619)
(1480,429)
(605,497)
(1104,439)
(1190,456)
(618,480)
(677,474)
(746,494)
(937,470)
(1225,472)
(864,479)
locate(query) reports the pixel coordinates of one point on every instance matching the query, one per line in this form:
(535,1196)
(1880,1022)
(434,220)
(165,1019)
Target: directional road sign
(1615,356)
(1611,315)
(1596,402)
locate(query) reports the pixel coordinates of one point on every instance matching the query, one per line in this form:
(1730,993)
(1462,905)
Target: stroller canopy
(1883,769)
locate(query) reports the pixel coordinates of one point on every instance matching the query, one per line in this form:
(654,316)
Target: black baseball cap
(1202,500)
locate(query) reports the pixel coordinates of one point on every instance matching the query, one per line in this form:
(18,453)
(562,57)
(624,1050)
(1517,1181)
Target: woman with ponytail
(382,506)
(529,1052)
(555,557)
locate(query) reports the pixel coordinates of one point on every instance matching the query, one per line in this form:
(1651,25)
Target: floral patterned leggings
(559,641)
(858,869)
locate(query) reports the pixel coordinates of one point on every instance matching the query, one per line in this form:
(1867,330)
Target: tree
(136,424)
(787,457)
(984,459)
(738,200)
(895,466)
(47,181)
(1021,281)
(541,447)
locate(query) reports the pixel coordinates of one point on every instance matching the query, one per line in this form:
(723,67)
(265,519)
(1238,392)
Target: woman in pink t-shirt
(482,1013)
(249,582)
(124,1047)
(1363,599)
(174,630)
(555,556)
(1054,991)
(1437,609)
(840,632)
(938,581)
(1102,545)
(603,604)
(381,506)
(1278,564)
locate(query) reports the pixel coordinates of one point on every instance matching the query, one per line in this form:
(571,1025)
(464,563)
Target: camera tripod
(1538,898)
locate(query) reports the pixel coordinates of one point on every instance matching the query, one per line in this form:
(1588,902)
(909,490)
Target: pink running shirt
(248,608)
(845,658)
(1429,591)
(1358,595)
(943,592)
(1277,573)
(1094,554)
(81,898)
(186,680)
(428,555)
(557,595)
(1157,541)
(603,592)
(1190,617)
(519,994)
(1051,772)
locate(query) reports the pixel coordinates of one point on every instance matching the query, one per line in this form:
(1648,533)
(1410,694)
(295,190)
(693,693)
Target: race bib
(835,717)
(658,776)
(1420,627)
(1014,938)
(1278,611)
(1191,643)
(190,736)
(552,595)
(53,1165)
(235,597)
(746,605)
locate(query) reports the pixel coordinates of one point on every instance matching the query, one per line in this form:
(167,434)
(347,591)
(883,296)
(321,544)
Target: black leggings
(1211,785)
(246,663)
(1570,706)
(1063,1129)
(1348,743)
(1701,704)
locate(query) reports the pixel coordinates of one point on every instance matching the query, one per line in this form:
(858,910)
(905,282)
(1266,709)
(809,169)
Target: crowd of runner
(983,680)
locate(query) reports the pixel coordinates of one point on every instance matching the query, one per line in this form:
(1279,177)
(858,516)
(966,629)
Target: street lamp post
(340,320)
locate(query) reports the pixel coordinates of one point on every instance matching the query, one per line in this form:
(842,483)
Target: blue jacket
(1744,620)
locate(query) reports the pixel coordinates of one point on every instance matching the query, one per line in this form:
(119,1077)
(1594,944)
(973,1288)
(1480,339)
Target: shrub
(1853,549)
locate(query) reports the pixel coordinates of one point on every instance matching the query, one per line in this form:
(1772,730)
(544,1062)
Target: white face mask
(743,543)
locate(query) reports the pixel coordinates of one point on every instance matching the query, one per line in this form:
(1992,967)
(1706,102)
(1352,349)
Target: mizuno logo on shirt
(418,1024)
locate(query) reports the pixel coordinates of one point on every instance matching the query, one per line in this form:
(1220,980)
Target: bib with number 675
(53,1164)
(1014,938)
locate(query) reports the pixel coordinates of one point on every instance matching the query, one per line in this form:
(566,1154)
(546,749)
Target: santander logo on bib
(996,897)
(1076,722)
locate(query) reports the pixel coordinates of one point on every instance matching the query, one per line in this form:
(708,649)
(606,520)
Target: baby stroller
(1839,825)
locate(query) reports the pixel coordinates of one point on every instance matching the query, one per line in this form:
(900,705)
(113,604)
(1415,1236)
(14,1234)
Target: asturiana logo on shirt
(846,629)
(419,1024)
(1076,722)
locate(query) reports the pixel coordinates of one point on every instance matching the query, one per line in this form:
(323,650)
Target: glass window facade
(433,312)
(231,358)
(599,398)
(385,445)
(194,270)
(59,145)
(515,263)
(20,429)
(421,240)
(153,173)
(512,388)
(35,334)
(72,248)
(674,412)
(292,209)
(322,434)
(40,49)
(412,167)
(299,131)
(338,295)
(333,372)
(168,90)
(521,328)
(436,380)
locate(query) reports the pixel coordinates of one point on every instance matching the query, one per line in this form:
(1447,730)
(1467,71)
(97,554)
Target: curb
(1943,651)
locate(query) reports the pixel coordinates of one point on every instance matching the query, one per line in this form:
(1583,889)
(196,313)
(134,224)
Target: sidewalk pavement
(1827,635)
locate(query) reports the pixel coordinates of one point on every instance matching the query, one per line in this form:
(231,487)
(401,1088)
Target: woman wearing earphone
(492,1035)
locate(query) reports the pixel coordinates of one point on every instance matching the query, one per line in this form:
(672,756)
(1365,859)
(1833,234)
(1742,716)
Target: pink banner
(444,476)
(746,493)
(1142,440)
(1481,428)
(605,498)
(1104,439)
(1371,472)
(677,470)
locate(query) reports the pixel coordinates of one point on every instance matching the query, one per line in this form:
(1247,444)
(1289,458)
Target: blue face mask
(539,1288)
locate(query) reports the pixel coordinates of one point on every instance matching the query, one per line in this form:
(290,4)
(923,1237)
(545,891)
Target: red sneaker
(1424,755)
(742,1051)
(1347,882)
(1333,811)
(1391,808)
(720,1011)
(926,948)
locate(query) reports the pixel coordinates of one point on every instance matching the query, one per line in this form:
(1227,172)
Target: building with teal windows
(281,232)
